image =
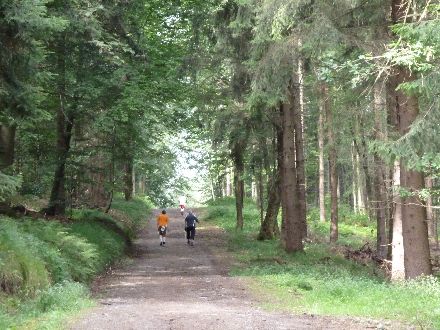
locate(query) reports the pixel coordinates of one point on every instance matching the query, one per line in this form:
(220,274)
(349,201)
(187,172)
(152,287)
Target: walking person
(190,227)
(162,224)
(182,202)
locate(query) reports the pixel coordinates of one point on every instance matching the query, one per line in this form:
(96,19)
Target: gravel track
(183,287)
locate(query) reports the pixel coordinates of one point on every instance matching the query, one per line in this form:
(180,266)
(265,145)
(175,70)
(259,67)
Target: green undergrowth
(223,210)
(320,280)
(46,266)
(354,229)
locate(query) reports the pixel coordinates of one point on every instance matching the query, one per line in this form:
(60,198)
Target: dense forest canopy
(299,105)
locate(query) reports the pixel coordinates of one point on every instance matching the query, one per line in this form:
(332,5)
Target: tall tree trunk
(414,228)
(368,179)
(361,196)
(269,228)
(341,182)
(65,119)
(237,157)
(398,252)
(7,148)
(292,232)
(379,191)
(57,201)
(332,168)
(254,189)
(354,181)
(224,185)
(141,184)
(213,187)
(97,196)
(111,174)
(429,210)
(390,211)
(128,179)
(321,171)
(365,180)
(228,189)
(109,202)
(133,181)
(7,145)
(299,147)
(260,194)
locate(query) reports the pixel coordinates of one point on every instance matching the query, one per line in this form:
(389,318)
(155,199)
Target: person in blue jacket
(190,227)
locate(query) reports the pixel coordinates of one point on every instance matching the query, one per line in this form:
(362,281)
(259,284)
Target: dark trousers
(190,232)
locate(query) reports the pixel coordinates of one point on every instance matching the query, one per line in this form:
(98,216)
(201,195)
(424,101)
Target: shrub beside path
(183,287)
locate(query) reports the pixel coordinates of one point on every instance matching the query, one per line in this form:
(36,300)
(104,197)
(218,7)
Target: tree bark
(429,210)
(321,171)
(414,227)
(359,183)
(292,232)
(57,202)
(97,195)
(299,144)
(390,211)
(258,200)
(228,189)
(368,179)
(269,228)
(133,180)
(237,157)
(365,180)
(354,181)
(378,204)
(141,184)
(7,145)
(332,168)
(65,120)
(398,252)
(109,203)
(128,179)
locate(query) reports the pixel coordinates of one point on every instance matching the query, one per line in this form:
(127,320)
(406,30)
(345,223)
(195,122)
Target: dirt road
(184,287)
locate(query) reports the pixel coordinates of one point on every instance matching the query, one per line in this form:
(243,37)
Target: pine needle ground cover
(321,280)
(46,266)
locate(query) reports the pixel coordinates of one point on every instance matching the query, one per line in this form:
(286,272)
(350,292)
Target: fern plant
(8,185)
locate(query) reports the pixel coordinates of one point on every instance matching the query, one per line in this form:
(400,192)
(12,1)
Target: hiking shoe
(188,242)
(192,243)
(161,243)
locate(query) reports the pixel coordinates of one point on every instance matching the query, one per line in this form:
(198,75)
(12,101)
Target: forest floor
(184,287)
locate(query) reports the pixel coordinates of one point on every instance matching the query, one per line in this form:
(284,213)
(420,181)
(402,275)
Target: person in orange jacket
(162,224)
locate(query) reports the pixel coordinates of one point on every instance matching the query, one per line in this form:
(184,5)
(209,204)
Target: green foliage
(67,256)
(223,210)
(20,269)
(109,244)
(48,310)
(60,296)
(42,263)
(136,210)
(24,27)
(38,253)
(321,281)
(355,229)
(8,186)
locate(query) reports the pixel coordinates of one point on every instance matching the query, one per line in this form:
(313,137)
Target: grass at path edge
(46,266)
(320,280)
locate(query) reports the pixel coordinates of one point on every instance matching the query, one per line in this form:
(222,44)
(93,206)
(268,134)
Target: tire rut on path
(183,287)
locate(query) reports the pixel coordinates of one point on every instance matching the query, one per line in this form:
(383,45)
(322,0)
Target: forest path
(183,287)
